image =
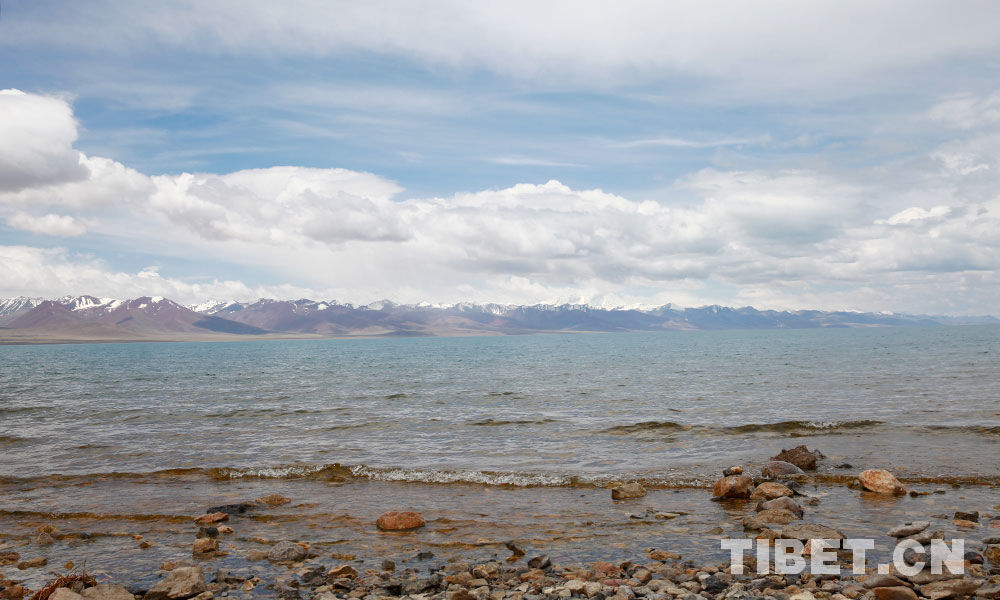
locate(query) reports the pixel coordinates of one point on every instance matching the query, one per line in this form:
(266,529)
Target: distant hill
(90,318)
(87,318)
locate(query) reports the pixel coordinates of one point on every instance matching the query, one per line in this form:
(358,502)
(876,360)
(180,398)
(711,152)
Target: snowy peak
(12,308)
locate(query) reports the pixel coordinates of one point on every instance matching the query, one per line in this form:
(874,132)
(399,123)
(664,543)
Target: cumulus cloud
(36,141)
(773,237)
(53,272)
(50,224)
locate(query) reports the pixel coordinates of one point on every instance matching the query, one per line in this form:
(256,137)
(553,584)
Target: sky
(837,155)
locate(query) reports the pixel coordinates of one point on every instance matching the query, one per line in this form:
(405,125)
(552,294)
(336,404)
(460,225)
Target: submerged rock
(273,500)
(908,529)
(951,588)
(779,516)
(800,456)
(204,546)
(286,552)
(778,468)
(732,471)
(769,490)
(629,490)
(231,509)
(734,486)
(810,531)
(782,503)
(881,481)
(213,517)
(400,521)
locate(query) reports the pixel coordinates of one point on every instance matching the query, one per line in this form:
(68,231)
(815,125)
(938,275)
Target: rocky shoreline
(776,504)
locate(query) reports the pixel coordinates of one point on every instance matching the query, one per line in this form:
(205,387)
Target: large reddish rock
(734,486)
(208,519)
(898,592)
(400,520)
(881,481)
(800,456)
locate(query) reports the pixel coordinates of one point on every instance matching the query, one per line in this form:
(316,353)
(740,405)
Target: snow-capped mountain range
(152,317)
(88,317)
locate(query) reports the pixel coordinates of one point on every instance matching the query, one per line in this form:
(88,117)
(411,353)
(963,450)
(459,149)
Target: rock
(342,571)
(992,554)
(899,592)
(273,500)
(400,521)
(800,456)
(629,490)
(810,531)
(388,565)
(14,592)
(514,548)
(774,515)
(908,529)
(224,529)
(734,486)
(286,552)
(207,532)
(732,471)
(778,468)
(951,588)
(9,558)
(662,555)
(460,594)
(540,562)
(204,596)
(45,539)
(231,509)
(974,558)
(215,517)
(968,516)
(782,503)
(40,561)
(107,591)
(65,594)
(255,555)
(181,583)
(880,580)
(204,546)
(965,524)
(881,481)
(769,490)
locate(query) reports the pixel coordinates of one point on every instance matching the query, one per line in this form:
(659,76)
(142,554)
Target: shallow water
(669,408)
(492,439)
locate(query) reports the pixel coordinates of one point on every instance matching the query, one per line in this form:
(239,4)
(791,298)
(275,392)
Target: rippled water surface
(668,408)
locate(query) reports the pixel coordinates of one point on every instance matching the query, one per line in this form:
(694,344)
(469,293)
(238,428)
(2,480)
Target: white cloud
(771,44)
(50,224)
(892,238)
(916,213)
(53,272)
(968,110)
(36,141)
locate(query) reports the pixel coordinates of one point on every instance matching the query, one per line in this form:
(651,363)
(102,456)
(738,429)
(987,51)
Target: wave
(273,412)
(11,440)
(792,427)
(498,422)
(338,473)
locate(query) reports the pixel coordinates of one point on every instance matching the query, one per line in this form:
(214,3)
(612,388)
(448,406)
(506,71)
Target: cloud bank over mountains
(918,235)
